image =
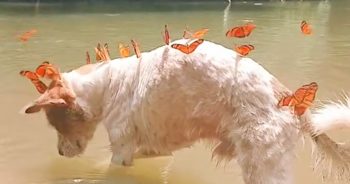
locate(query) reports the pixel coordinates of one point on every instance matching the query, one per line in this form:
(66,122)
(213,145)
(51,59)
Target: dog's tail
(331,159)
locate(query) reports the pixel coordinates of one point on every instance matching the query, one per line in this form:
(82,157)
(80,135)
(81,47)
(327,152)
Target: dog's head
(74,130)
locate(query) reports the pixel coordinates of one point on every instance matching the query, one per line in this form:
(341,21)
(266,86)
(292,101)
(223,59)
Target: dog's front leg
(123,150)
(146,153)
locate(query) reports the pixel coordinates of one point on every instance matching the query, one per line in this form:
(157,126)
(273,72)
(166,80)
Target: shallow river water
(28,151)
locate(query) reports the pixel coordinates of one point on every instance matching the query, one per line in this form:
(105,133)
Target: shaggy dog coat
(167,100)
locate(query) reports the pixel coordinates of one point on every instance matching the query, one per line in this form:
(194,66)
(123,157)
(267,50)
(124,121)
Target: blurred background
(67,29)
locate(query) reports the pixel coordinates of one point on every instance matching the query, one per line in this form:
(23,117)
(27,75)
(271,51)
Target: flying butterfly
(301,99)
(27,35)
(34,78)
(241,31)
(124,50)
(244,50)
(188,49)
(136,48)
(305,28)
(196,35)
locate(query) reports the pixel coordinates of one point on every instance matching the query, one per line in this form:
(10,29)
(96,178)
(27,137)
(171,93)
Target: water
(28,145)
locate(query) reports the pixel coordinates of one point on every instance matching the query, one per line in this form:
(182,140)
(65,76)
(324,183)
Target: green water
(28,151)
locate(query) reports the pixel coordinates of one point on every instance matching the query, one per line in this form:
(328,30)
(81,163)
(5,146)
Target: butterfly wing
(124,51)
(305,97)
(47,70)
(299,110)
(200,33)
(166,36)
(98,52)
(241,50)
(306,93)
(187,34)
(244,50)
(285,101)
(305,28)
(105,53)
(136,48)
(24,37)
(41,69)
(180,47)
(237,32)
(194,45)
(88,60)
(27,35)
(248,29)
(33,77)
(301,99)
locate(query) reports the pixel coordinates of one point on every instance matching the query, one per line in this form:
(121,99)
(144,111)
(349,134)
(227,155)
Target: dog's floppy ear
(30,108)
(58,94)
(38,105)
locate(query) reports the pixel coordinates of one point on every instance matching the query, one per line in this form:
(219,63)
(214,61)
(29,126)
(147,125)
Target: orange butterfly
(98,52)
(301,99)
(88,61)
(244,50)
(27,35)
(241,31)
(124,51)
(136,48)
(107,51)
(102,53)
(34,78)
(166,36)
(47,70)
(196,35)
(187,49)
(305,28)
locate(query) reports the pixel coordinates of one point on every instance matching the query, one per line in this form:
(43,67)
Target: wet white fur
(167,100)
(332,116)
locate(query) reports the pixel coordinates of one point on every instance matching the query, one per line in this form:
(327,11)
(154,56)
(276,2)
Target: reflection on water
(65,32)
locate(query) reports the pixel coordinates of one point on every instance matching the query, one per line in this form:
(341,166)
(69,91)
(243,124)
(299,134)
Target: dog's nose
(60,152)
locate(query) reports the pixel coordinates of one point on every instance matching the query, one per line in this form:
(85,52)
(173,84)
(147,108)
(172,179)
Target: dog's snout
(60,152)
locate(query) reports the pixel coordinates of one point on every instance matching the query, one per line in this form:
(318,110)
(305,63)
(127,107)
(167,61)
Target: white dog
(167,100)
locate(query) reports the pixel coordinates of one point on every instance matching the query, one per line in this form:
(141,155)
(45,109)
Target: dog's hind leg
(265,153)
(258,167)
(224,152)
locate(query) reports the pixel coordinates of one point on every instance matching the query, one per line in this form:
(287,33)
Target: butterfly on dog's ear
(301,99)
(47,70)
(188,49)
(34,78)
(305,28)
